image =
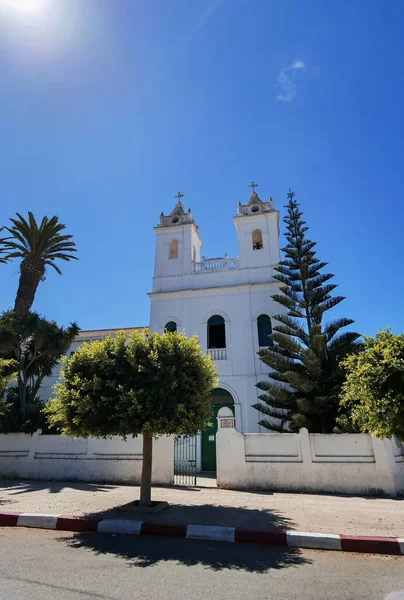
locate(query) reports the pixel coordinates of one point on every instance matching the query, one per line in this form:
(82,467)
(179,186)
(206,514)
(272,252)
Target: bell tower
(177,247)
(257,227)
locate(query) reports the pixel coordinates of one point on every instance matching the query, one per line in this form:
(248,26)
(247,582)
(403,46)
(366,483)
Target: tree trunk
(20,383)
(22,392)
(31,273)
(145,484)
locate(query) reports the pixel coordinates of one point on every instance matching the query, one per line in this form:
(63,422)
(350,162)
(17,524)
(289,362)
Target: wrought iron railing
(185,460)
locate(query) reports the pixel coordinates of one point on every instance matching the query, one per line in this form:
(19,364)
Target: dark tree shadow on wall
(146,551)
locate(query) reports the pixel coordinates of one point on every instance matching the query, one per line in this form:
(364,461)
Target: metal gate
(185,460)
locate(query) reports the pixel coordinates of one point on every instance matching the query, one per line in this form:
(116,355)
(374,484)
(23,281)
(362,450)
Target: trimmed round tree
(373,391)
(146,383)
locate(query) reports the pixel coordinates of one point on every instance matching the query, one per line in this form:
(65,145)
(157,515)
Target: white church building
(225,301)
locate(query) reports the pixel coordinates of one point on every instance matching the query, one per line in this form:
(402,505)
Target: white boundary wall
(60,458)
(303,462)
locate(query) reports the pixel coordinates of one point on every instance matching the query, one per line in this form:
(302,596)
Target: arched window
(264,330)
(173,249)
(257,239)
(221,396)
(171,327)
(216,332)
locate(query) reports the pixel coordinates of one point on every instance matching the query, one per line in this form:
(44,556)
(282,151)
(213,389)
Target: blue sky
(108,108)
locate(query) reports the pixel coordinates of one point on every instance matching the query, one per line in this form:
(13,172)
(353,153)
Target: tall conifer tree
(304,386)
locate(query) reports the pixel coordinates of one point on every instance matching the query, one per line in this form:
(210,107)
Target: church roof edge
(93,334)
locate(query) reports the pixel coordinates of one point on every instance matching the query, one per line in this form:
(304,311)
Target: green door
(209,440)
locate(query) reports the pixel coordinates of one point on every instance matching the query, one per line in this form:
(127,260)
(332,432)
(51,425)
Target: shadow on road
(206,514)
(145,551)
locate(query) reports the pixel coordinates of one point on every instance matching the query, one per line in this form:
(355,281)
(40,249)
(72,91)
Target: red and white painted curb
(292,539)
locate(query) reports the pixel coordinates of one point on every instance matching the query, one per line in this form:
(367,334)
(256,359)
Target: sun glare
(22,6)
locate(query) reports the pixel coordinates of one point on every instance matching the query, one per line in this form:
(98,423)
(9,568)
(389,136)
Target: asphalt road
(38,565)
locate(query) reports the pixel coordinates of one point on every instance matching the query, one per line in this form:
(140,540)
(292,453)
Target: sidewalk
(203,506)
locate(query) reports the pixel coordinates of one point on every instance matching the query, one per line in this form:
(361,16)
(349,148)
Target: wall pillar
(305,446)
(385,465)
(230,453)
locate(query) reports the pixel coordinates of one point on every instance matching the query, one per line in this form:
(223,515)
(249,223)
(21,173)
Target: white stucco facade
(308,462)
(220,300)
(189,289)
(62,458)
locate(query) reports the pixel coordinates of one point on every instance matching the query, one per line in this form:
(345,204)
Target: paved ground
(42,565)
(303,512)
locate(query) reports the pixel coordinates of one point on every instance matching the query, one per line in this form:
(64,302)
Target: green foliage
(3,248)
(39,246)
(7,373)
(151,384)
(11,419)
(373,392)
(30,345)
(43,242)
(343,423)
(304,386)
(35,345)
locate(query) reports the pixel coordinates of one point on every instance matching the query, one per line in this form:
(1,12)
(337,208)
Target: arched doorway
(219,398)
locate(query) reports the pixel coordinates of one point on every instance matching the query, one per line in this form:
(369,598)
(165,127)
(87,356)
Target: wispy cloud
(286,80)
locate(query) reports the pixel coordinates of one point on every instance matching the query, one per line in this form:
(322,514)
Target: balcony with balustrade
(209,265)
(217,353)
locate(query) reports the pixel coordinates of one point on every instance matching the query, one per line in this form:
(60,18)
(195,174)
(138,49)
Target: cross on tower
(179,196)
(253,186)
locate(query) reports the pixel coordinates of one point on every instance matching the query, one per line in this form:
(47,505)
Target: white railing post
(217,353)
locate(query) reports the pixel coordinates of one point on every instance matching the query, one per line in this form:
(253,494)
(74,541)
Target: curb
(291,539)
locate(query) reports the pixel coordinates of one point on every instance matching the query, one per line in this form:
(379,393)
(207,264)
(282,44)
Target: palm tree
(3,247)
(38,246)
